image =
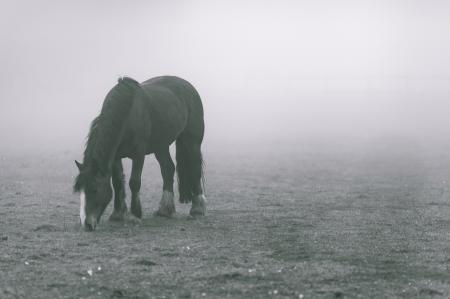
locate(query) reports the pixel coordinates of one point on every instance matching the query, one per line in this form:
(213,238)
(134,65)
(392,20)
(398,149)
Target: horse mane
(105,129)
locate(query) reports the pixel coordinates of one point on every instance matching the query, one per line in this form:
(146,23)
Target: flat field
(300,222)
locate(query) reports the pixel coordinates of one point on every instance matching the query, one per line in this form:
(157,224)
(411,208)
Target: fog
(268,71)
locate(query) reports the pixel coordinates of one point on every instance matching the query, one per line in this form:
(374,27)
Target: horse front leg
(167,204)
(135,186)
(120,206)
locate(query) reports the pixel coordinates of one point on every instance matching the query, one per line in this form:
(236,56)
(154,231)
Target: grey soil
(310,224)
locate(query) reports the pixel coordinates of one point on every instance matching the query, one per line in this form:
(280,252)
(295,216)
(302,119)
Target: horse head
(95,191)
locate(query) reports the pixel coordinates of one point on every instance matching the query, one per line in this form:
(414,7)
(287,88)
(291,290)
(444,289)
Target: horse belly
(167,127)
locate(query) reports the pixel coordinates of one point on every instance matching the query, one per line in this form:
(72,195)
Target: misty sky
(272,71)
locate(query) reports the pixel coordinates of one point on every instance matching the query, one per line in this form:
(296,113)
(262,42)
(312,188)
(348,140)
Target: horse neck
(105,137)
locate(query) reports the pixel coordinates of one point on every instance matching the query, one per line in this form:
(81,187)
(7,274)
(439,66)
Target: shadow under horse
(138,119)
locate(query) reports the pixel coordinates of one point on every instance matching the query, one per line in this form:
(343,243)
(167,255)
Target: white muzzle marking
(82,207)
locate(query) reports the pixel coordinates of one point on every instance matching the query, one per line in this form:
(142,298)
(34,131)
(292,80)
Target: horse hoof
(130,218)
(166,205)
(185,199)
(117,216)
(136,211)
(198,206)
(197,212)
(164,213)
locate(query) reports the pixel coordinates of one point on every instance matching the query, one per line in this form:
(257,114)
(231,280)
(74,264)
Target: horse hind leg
(135,186)
(120,206)
(166,205)
(199,199)
(183,171)
(189,168)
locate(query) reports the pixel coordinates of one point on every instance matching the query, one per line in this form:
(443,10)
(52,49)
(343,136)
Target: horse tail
(189,168)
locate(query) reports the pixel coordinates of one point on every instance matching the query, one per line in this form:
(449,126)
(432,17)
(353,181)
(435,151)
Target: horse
(138,119)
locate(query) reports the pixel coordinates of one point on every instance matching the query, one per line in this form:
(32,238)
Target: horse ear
(79,165)
(128,81)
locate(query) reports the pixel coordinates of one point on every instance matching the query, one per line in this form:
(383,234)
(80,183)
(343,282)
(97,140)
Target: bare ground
(308,223)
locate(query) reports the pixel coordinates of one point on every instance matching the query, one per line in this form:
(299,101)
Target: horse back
(164,110)
(188,95)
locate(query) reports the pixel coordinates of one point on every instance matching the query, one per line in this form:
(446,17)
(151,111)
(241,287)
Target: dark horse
(137,120)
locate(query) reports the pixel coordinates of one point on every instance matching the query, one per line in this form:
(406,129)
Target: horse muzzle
(89,224)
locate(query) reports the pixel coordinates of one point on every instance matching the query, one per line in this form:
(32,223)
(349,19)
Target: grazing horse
(138,119)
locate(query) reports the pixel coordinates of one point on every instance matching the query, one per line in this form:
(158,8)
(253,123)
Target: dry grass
(326,224)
